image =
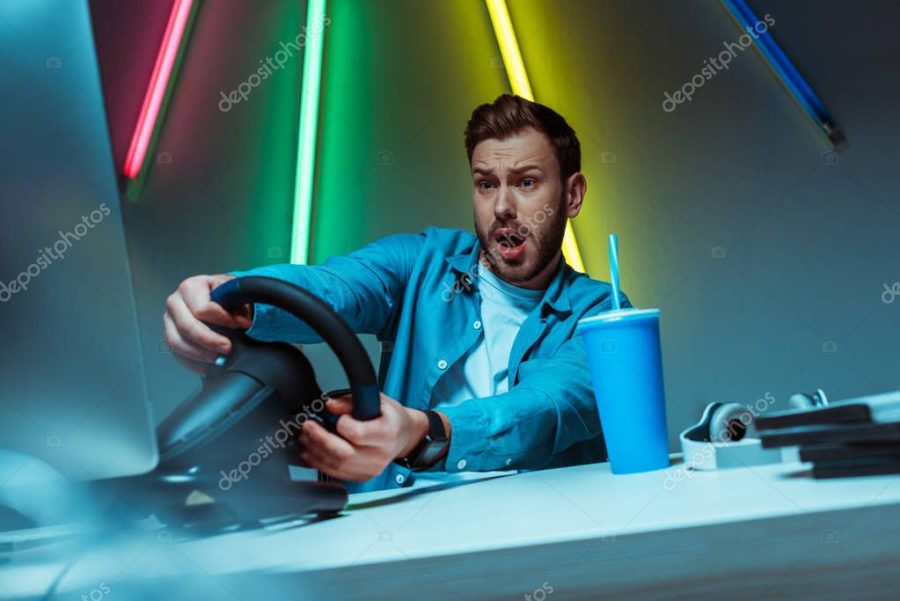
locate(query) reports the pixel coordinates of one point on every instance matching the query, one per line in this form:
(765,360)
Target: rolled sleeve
(468,452)
(549,411)
(364,287)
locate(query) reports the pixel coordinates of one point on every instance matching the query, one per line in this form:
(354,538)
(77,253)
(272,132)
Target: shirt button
(442,364)
(477,325)
(399,479)
(461,464)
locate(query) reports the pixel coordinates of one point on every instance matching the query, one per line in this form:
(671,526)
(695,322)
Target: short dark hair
(509,114)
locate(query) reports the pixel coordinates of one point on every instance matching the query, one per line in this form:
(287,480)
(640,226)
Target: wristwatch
(429,449)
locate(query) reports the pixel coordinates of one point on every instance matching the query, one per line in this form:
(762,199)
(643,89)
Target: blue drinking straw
(614,270)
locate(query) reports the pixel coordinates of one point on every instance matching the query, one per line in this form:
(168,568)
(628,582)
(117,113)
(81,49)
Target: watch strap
(425,454)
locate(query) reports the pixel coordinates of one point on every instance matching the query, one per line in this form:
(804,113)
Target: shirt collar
(556,297)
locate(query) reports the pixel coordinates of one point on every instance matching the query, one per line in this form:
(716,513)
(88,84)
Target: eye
(528,183)
(485,185)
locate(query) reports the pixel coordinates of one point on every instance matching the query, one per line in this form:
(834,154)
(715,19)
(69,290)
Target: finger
(324,462)
(184,349)
(309,459)
(243,317)
(361,467)
(364,467)
(199,302)
(321,461)
(340,405)
(304,460)
(314,436)
(371,433)
(364,463)
(192,329)
(196,292)
(326,465)
(198,299)
(212,312)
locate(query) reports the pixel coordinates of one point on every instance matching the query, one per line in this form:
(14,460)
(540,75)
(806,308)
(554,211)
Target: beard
(543,241)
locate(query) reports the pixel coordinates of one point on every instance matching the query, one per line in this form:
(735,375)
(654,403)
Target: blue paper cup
(625,362)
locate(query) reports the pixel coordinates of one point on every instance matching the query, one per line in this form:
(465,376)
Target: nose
(504,205)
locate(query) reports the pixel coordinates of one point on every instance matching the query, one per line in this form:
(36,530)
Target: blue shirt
(406,288)
(484,370)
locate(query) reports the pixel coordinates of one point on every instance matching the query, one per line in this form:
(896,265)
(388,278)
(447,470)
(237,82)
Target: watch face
(436,431)
(429,454)
(430,447)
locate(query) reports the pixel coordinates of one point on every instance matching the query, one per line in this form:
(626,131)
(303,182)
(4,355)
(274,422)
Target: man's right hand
(195,345)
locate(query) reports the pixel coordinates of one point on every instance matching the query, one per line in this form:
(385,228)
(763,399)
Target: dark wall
(766,253)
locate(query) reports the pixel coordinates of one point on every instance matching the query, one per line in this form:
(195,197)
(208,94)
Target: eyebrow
(517,170)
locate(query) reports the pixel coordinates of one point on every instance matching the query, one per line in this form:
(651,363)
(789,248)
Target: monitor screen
(72,385)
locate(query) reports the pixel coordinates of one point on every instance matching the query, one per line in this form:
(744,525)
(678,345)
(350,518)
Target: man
(487,372)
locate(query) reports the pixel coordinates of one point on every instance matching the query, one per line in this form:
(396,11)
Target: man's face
(519,201)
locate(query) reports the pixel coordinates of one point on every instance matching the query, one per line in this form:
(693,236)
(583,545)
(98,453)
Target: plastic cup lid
(619,315)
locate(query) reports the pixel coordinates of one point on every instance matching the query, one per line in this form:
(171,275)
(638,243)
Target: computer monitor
(72,384)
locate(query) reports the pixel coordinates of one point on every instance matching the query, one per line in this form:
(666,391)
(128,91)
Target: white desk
(756,533)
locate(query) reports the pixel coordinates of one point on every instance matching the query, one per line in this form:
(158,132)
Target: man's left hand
(363,448)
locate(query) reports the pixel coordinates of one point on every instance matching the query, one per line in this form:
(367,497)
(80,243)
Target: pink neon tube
(162,70)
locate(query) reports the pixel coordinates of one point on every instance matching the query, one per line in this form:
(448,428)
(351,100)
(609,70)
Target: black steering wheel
(271,375)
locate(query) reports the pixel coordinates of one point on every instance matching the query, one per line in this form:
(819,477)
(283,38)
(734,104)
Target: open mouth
(510,243)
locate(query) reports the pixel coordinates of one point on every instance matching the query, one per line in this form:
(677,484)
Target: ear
(576,186)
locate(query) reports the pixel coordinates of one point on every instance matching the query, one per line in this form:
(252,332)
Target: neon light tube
(509,49)
(309,117)
(787,73)
(156,90)
(518,81)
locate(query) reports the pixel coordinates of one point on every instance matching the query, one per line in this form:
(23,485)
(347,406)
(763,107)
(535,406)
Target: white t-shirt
(484,370)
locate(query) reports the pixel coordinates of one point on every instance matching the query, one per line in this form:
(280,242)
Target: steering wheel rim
(330,326)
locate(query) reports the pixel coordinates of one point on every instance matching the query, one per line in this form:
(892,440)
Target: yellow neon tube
(518,81)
